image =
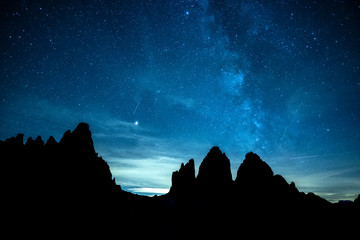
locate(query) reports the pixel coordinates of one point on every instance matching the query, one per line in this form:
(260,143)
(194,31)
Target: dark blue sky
(161,82)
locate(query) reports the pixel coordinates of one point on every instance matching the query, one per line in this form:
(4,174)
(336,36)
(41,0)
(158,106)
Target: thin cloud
(149,191)
(153,172)
(332,185)
(304,157)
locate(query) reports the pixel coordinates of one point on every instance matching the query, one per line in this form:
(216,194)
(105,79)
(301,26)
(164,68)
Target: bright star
(136,123)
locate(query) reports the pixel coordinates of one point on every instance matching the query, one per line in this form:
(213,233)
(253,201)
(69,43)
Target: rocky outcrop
(183,181)
(214,172)
(70,167)
(79,142)
(357,201)
(68,180)
(253,170)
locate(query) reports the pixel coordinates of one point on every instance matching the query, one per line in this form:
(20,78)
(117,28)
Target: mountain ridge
(81,184)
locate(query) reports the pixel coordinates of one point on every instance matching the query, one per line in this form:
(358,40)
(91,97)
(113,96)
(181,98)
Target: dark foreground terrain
(65,189)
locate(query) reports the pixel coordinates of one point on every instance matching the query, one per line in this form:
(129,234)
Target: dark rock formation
(214,172)
(357,201)
(253,170)
(68,180)
(79,142)
(255,183)
(183,181)
(57,169)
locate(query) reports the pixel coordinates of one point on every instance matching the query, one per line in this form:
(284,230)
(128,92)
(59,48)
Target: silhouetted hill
(65,186)
(72,165)
(253,171)
(183,181)
(214,173)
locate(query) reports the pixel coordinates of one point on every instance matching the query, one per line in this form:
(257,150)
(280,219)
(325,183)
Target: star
(208,74)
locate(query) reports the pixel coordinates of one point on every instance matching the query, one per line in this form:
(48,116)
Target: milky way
(161,82)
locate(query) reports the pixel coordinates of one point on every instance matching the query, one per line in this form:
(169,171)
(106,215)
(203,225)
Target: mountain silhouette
(214,171)
(66,187)
(253,169)
(183,181)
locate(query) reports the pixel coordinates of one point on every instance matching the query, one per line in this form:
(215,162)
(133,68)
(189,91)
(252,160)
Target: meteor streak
(137,106)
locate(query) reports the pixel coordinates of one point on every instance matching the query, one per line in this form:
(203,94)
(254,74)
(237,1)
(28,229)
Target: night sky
(161,82)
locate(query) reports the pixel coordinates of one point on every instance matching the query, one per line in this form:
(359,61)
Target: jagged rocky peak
(184,179)
(187,171)
(51,141)
(82,130)
(80,139)
(253,169)
(18,140)
(215,169)
(37,142)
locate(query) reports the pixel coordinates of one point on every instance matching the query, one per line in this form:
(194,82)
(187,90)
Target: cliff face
(255,187)
(70,167)
(183,181)
(257,202)
(253,171)
(68,180)
(214,173)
